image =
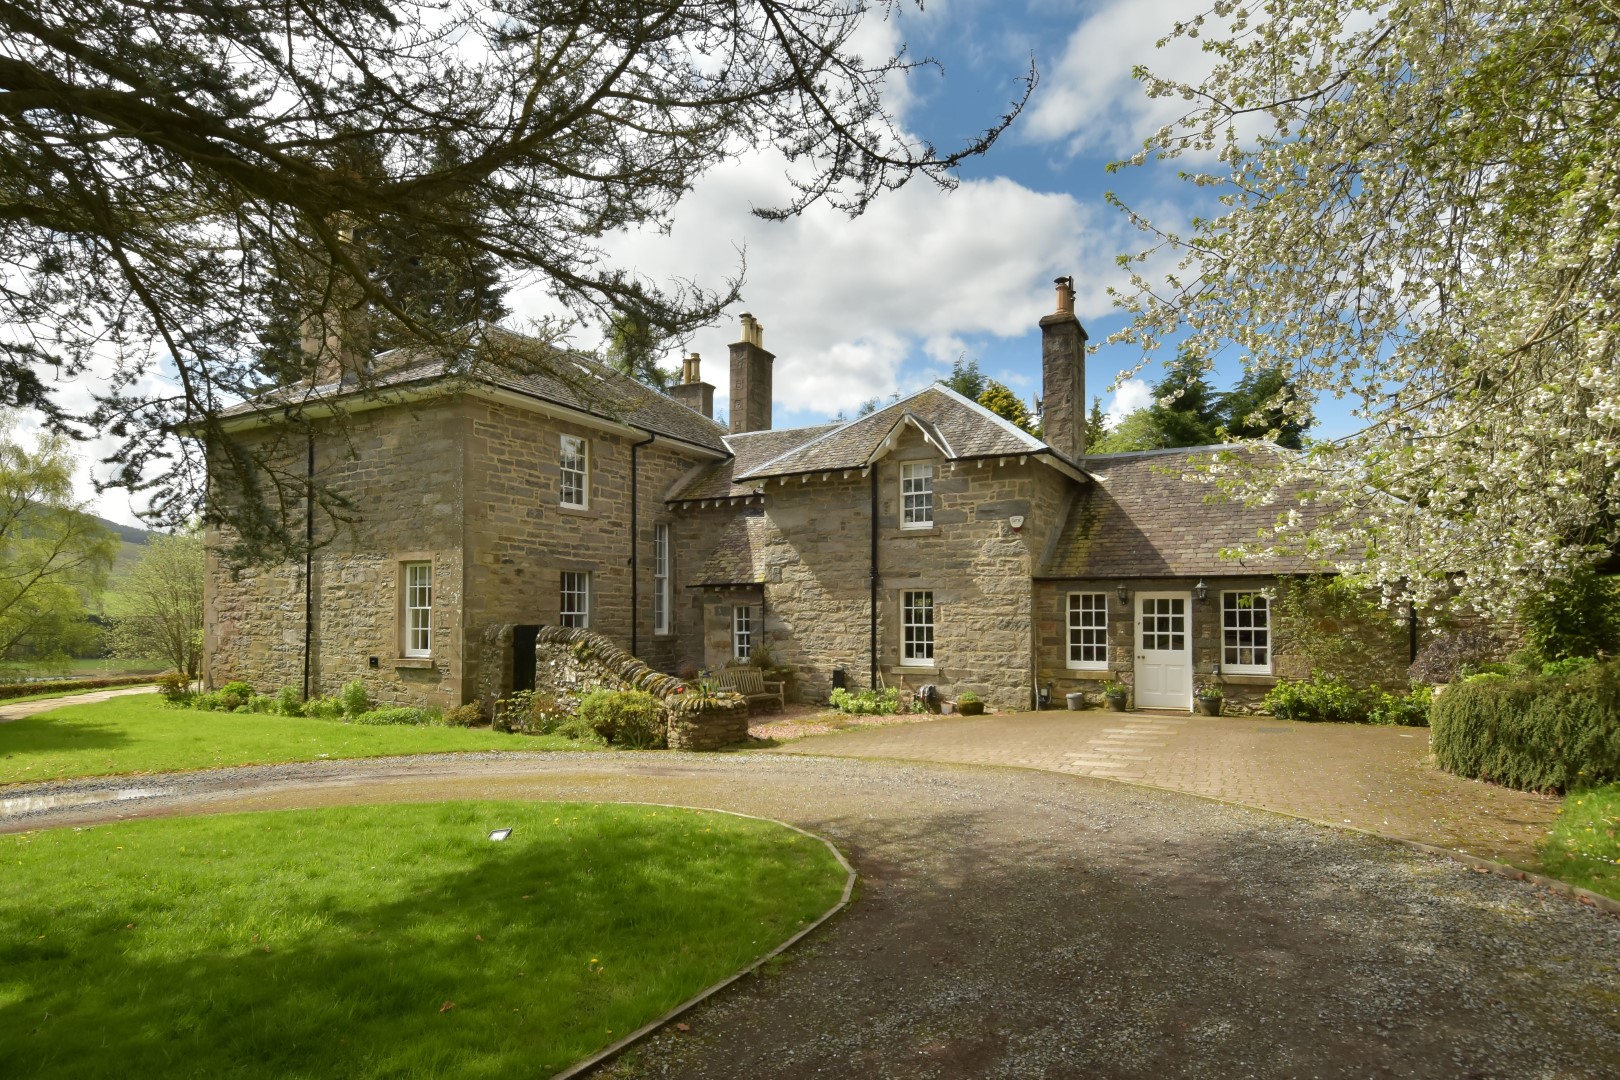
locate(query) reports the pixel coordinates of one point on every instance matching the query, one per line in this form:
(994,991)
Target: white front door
(1163,651)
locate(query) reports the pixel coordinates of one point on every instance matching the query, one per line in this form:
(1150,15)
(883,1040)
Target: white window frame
(661,597)
(416,579)
(574,599)
(1083,623)
(574,472)
(1259,633)
(917,634)
(917,495)
(742,633)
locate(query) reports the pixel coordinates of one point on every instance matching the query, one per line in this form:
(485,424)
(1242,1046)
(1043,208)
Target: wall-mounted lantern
(1200,591)
(1124,594)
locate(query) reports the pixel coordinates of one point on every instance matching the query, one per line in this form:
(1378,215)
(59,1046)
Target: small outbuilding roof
(1144,516)
(739,556)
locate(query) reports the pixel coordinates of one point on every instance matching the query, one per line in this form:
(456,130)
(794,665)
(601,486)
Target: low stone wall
(709,727)
(570,662)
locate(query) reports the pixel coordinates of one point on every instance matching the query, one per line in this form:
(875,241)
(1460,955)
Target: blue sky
(884,303)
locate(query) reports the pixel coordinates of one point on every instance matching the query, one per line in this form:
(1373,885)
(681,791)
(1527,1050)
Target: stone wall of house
(520,538)
(400,468)
(1380,661)
(977,565)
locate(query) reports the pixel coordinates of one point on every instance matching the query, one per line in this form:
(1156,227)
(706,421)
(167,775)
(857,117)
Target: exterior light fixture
(1123,593)
(500,834)
(1200,591)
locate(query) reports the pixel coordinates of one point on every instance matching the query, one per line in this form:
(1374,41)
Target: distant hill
(128,534)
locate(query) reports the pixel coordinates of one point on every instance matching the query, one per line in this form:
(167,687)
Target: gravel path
(1019,924)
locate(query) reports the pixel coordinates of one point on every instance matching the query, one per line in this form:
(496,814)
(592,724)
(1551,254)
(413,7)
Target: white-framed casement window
(1245,633)
(575,608)
(574,466)
(1088,631)
(418,578)
(742,633)
(661,596)
(917,628)
(916,495)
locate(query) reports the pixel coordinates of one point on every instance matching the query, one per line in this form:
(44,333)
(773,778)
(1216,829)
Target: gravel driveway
(1019,924)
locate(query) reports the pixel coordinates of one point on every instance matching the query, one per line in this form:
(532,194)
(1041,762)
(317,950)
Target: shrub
(1578,615)
(234,695)
(261,703)
(883,702)
(289,702)
(175,686)
(392,714)
(1321,698)
(1441,660)
(1403,710)
(463,716)
(1558,669)
(1536,734)
(323,708)
(629,718)
(354,698)
(1115,690)
(968,695)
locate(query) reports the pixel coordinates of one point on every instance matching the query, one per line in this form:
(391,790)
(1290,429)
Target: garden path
(1379,779)
(28,708)
(1020,923)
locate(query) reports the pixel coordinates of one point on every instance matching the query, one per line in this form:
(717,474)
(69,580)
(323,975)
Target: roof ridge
(1010,427)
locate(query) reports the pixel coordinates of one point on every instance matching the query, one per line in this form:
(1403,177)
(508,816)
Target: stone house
(928,542)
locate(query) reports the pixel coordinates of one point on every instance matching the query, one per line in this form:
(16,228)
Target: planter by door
(1209,706)
(1116,703)
(970,708)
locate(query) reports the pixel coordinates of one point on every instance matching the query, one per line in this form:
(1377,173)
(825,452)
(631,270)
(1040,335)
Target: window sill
(413,662)
(906,666)
(1247,678)
(918,530)
(577,511)
(1089,672)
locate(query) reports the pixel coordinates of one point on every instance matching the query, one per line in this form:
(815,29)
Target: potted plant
(1115,695)
(969,704)
(1209,697)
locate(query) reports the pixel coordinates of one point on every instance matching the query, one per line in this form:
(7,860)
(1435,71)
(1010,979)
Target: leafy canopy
(1416,213)
(160,603)
(186,184)
(53,555)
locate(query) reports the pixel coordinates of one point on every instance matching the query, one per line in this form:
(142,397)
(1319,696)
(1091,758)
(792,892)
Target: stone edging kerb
(582,1067)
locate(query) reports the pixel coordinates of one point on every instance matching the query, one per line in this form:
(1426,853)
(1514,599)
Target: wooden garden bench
(750,682)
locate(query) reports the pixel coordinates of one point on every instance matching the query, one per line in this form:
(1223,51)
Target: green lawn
(1584,848)
(142,734)
(379,941)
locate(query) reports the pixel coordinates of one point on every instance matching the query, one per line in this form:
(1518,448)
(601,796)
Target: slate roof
(524,366)
(1139,518)
(965,429)
(739,557)
(751,449)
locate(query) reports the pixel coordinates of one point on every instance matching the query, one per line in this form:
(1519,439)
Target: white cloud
(1089,100)
(1132,394)
(844,302)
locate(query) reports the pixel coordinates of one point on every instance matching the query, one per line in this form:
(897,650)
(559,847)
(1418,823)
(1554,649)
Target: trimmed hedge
(54,686)
(1534,734)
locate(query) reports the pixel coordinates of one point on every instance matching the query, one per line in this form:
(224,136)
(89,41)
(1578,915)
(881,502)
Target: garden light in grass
(500,834)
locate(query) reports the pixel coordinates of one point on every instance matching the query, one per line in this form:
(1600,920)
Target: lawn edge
(614,1049)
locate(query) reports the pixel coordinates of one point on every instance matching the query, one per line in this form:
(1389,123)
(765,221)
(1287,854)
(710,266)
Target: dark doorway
(523,638)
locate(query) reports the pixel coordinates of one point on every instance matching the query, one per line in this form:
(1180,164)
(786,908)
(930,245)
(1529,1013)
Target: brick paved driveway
(1373,778)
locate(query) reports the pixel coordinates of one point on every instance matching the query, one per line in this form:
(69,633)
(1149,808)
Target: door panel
(1163,651)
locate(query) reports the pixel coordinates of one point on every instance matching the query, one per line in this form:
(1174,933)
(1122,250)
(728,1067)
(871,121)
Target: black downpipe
(1411,634)
(635,573)
(873,602)
(309,559)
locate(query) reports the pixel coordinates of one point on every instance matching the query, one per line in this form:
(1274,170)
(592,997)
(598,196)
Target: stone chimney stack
(750,379)
(1063,375)
(692,391)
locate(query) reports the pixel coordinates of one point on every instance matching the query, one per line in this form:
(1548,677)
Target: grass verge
(61,694)
(141,734)
(381,940)
(1584,848)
